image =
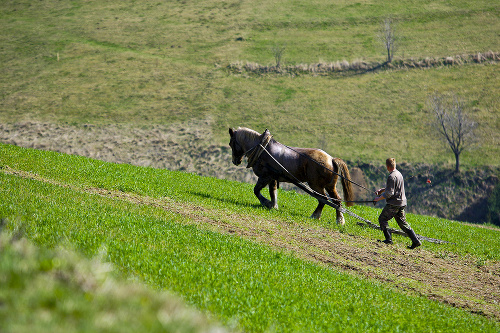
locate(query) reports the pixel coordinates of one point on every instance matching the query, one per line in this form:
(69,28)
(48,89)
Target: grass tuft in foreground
(58,290)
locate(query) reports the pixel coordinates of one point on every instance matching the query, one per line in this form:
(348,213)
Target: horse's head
(236,147)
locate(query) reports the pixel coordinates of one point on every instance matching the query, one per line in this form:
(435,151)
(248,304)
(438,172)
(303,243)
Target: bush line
(360,66)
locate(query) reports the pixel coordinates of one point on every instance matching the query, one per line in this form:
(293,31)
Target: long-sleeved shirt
(395,189)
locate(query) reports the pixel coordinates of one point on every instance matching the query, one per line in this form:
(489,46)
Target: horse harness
(254,153)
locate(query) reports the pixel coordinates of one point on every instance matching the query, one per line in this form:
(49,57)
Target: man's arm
(380,197)
(390,188)
(387,192)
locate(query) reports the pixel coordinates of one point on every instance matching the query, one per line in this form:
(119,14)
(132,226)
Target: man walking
(394,194)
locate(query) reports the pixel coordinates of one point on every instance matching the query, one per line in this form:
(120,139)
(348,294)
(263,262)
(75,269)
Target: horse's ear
(231,132)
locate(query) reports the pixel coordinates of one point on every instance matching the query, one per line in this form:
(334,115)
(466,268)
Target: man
(394,194)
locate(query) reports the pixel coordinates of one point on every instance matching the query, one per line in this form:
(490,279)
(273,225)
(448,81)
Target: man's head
(390,163)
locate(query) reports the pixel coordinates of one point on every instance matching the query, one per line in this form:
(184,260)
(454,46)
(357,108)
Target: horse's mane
(246,135)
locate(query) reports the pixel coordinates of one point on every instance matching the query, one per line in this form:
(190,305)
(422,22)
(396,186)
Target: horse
(314,166)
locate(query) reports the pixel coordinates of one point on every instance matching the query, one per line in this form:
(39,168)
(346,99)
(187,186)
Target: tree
(387,35)
(452,123)
(278,53)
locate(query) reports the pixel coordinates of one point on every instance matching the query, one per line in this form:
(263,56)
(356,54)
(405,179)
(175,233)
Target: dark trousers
(396,212)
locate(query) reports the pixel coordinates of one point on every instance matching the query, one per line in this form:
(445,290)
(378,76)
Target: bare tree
(387,35)
(278,52)
(452,123)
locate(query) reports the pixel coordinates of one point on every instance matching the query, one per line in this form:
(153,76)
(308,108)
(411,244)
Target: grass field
(135,218)
(145,66)
(144,63)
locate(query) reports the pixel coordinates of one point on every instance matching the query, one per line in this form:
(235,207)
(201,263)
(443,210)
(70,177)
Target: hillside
(254,269)
(158,84)
(126,103)
(189,147)
(148,64)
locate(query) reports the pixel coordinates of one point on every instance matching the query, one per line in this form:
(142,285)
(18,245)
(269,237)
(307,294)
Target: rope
(361,201)
(323,166)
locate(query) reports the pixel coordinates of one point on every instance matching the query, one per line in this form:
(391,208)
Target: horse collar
(254,153)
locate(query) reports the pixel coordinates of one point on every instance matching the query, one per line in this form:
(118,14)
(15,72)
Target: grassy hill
(209,241)
(143,68)
(142,63)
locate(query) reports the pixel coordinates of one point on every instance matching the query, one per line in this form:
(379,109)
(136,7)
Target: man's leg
(403,224)
(383,220)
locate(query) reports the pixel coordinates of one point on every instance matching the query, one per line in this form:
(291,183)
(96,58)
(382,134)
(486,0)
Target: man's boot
(415,242)
(388,237)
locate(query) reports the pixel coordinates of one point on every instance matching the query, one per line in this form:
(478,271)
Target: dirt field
(187,147)
(445,278)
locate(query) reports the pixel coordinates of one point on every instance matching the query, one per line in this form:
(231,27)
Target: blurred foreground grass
(58,290)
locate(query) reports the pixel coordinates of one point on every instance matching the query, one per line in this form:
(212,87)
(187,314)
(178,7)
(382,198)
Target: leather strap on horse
(254,153)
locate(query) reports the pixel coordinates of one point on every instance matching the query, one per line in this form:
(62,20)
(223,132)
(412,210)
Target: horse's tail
(346,180)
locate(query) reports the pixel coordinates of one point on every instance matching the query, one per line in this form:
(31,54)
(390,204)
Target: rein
(254,153)
(333,203)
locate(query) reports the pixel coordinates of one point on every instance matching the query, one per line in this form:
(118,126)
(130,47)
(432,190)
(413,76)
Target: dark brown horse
(313,166)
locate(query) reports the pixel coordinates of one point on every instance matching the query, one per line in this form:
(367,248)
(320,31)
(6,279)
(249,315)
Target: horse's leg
(319,209)
(273,193)
(261,183)
(332,191)
(317,212)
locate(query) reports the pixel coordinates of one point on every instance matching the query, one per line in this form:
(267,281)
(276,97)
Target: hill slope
(189,147)
(143,63)
(113,81)
(166,226)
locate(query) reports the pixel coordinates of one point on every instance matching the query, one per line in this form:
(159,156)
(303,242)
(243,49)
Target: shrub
(493,214)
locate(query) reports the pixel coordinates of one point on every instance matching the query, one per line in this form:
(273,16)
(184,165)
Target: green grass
(238,197)
(243,283)
(144,63)
(56,290)
(238,280)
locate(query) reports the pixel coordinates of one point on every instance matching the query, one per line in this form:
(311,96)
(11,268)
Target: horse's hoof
(270,205)
(341,221)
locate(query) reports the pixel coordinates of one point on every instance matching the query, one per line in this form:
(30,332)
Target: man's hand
(380,191)
(377,199)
